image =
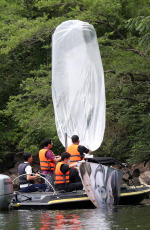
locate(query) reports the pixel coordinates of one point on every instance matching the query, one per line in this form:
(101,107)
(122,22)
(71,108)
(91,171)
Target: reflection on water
(113,218)
(59,220)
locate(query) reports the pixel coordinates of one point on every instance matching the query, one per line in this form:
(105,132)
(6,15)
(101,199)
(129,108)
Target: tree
(32,111)
(25,55)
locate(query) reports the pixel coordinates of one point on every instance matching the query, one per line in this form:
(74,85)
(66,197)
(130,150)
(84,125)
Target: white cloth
(78,89)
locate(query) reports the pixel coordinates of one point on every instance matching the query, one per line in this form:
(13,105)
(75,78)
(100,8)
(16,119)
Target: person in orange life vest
(77,151)
(47,162)
(77,154)
(62,174)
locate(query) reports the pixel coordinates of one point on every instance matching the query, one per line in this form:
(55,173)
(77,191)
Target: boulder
(145,178)
(147,165)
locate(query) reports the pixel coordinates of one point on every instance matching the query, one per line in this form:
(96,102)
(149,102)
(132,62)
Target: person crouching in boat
(47,162)
(77,154)
(62,174)
(27,181)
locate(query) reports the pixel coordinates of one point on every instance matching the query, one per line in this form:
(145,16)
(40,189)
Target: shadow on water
(118,217)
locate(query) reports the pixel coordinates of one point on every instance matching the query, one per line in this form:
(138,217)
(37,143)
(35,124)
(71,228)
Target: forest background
(26,109)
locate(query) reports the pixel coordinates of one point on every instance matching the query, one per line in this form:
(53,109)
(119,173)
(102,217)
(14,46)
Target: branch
(129,48)
(112,27)
(129,98)
(130,74)
(110,71)
(135,51)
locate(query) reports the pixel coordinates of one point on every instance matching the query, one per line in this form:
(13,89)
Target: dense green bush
(26,109)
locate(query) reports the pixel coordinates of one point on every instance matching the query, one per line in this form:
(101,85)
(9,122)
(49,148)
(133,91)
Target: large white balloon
(78,89)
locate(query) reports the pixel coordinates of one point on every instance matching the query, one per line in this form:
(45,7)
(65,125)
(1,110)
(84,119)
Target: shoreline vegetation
(26,108)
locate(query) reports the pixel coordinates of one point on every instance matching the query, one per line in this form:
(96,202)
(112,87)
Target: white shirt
(28,169)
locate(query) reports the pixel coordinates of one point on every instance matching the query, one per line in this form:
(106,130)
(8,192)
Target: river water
(117,217)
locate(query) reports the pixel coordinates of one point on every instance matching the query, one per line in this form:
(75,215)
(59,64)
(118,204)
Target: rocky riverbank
(135,174)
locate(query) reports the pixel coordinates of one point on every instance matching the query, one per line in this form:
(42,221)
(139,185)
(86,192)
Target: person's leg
(74,176)
(24,189)
(60,186)
(34,188)
(74,186)
(41,186)
(50,179)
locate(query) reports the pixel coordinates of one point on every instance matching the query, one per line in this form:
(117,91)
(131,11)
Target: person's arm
(56,159)
(73,165)
(28,171)
(65,167)
(29,177)
(49,155)
(82,149)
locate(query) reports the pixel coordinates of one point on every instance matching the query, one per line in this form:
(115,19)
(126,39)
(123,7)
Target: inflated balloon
(78,89)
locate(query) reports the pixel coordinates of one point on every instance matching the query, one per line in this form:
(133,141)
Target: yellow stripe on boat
(134,193)
(138,186)
(87,198)
(68,200)
(17,205)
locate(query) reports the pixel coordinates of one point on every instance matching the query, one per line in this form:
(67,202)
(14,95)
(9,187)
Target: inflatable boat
(74,200)
(129,195)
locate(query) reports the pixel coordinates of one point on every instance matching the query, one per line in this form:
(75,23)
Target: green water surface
(118,217)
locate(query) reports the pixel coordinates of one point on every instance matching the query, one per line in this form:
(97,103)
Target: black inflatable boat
(74,200)
(129,195)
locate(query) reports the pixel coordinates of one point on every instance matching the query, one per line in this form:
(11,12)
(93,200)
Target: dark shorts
(34,188)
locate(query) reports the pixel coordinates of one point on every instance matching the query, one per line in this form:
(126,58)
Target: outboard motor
(6,191)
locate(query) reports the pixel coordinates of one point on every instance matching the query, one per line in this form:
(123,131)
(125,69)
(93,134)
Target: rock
(136,173)
(145,177)
(143,170)
(125,177)
(139,166)
(145,174)
(135,181)
(147,165)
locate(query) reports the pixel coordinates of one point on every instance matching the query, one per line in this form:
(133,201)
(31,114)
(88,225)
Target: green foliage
(32,111)
(127,93)
(26,109)
(140,26)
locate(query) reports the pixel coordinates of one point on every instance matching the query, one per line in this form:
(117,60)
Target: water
(118,217)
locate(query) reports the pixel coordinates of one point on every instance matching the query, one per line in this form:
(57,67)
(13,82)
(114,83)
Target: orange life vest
(75,155)
(61,178)
(44,163)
